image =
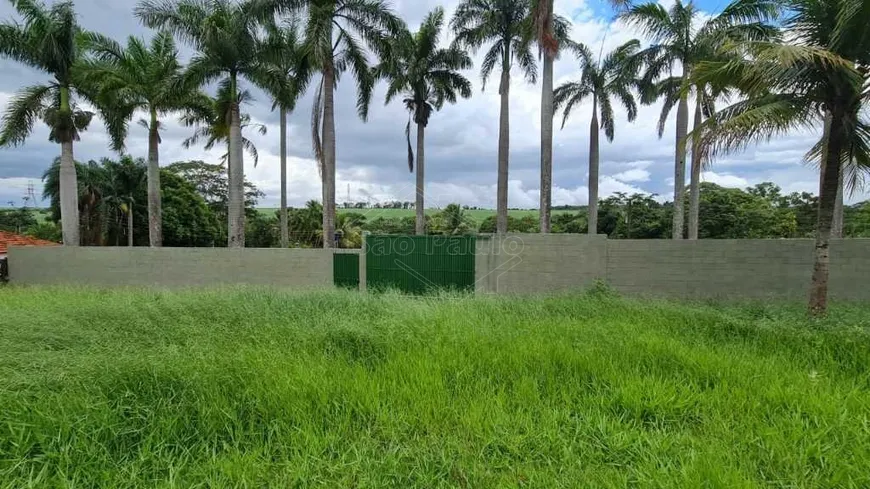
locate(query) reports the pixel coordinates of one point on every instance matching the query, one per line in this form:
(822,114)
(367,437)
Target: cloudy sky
(461,139)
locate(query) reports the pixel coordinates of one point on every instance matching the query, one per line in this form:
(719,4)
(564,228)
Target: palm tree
(453,221)
(798,85)
(349,226)
(821,24)
(123,180)
(550,32)
(306,223)
(47,40)
(210,117)
(336,34)
(500,23)
(427,77)
(142,78)
(90,187)
(224,35)
(852,175)
(678,42)
(612,77)
(283,75)
(548,47)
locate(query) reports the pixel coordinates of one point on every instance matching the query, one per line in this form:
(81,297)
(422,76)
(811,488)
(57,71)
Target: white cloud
(634,175)
(724,179)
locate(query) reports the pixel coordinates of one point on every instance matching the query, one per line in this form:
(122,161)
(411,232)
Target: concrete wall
(170,267)
(680,269)
(735,268)
(710,268)
(529,263)
(511,264)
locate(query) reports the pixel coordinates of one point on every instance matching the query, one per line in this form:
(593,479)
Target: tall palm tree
(48,40)
(500,23)
(210,117)
(548,45)
(142,77)
(284,76)
(224,35)
(822,20)
(798,85)
(612,77)
(336,35)
(426,76)
(678,42)
(550,31)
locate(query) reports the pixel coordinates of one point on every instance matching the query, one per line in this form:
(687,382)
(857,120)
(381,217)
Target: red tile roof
(8,239)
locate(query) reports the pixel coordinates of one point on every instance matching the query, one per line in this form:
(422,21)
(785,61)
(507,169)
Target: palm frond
(607,117)
(566,96)
(671,99)
(653,20)
(525,59)
(22,111)
(755,120)
(353,56)
(185,19)
(492,59)
(249,146)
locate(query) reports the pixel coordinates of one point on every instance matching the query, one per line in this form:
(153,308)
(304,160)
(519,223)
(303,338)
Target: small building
(8,239)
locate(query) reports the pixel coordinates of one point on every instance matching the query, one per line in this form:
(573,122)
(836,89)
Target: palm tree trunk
(69,187)
(830,178)
(69,196)
(592,218)
(420,227)
(155,209)
(695,178)
(546,140)
(680,165)
(329,156)
(236,210)
(503,147)
(837,226)
(130,224)
(285,233)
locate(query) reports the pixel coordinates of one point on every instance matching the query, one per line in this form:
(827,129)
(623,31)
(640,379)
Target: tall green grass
(264,388)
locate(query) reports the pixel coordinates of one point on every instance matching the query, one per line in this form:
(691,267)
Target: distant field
(41,215)
(257,388)
(477,214)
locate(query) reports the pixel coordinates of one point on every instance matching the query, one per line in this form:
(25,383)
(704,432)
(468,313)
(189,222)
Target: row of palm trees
(791,64)
(282,46)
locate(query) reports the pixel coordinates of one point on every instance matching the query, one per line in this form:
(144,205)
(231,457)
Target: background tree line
(113,195)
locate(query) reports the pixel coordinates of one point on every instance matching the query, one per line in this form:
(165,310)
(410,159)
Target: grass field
(259,388)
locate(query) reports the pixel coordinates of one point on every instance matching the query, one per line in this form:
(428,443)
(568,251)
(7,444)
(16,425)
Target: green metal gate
(345,270)
(420,264)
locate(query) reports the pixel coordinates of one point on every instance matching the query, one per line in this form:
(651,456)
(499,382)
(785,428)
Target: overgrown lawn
(265,388)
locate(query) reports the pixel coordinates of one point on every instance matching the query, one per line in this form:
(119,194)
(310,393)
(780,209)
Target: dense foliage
(194,196)
(197,193)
